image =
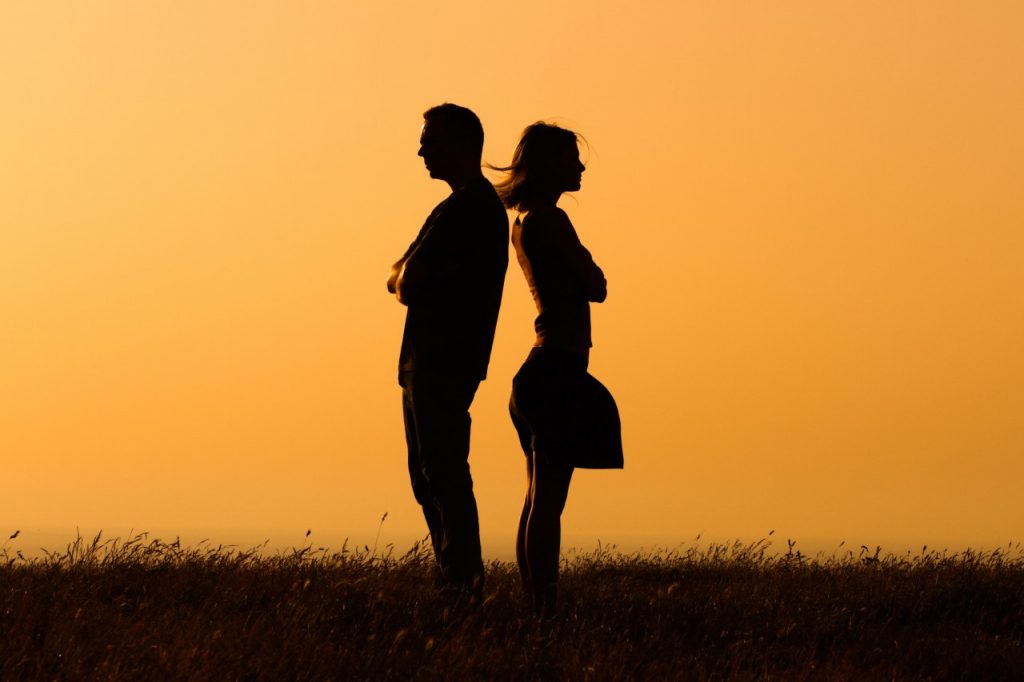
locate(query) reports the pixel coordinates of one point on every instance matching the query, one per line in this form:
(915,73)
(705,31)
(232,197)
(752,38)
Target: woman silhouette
(564,417)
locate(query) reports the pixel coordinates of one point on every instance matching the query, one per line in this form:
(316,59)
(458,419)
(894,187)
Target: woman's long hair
(527,178)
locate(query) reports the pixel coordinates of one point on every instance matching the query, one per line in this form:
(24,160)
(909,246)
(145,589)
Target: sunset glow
(810,217)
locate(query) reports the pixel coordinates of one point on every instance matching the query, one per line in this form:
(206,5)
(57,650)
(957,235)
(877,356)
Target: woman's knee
(550,496)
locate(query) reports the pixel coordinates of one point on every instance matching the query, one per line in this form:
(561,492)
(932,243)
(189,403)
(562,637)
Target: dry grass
(146,609)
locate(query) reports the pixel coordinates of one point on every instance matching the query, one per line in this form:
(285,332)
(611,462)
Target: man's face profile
(436,149)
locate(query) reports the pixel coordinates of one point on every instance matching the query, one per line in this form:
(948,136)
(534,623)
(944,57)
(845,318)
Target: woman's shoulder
(546,217)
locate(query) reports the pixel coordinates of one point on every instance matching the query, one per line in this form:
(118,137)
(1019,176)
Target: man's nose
(420,152)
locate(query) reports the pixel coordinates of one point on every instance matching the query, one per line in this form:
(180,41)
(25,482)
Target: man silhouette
(450,278)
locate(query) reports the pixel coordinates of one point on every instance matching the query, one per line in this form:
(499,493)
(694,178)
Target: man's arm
(399,282)
(425,272)
(396,275)
(448,258)
(396,270)
(433,262)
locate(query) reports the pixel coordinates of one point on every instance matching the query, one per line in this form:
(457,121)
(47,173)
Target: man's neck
(464,179)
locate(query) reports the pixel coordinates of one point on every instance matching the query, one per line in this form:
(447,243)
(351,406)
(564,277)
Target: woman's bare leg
(524,566)
(548,493)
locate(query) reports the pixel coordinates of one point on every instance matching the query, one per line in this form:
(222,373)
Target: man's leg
(440,405)
(420,486)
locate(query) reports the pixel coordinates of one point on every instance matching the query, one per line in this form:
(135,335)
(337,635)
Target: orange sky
(809,213)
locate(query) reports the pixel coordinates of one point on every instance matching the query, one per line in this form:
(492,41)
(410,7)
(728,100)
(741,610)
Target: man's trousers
(437,423)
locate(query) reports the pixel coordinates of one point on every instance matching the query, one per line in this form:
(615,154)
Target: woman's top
(562,277)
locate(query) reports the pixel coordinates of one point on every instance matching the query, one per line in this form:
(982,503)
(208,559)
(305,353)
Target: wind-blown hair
(527,176)
(458,123)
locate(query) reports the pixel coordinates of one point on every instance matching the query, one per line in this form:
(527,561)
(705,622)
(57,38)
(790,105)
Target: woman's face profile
(567,169)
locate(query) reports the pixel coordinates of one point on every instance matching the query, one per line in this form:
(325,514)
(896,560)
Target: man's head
(452,141)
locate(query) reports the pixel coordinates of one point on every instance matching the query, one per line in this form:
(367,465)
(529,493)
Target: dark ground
(149,610)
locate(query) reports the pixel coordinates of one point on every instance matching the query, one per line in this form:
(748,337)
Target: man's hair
(459,123)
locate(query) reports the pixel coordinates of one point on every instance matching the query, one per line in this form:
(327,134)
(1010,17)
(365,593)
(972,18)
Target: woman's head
(546,162)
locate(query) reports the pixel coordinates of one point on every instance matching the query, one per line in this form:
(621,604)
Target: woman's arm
(555,230)
(594,282)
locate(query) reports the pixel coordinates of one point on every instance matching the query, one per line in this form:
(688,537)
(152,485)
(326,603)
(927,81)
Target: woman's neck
(541,203)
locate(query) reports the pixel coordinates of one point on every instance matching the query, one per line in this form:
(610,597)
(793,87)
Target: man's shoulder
(479,202)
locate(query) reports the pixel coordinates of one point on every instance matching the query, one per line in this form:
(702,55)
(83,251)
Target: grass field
(146,609)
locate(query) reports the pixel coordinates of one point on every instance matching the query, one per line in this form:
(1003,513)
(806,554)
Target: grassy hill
(146,609)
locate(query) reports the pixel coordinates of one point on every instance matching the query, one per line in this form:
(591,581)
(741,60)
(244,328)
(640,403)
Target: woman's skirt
(563,413)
